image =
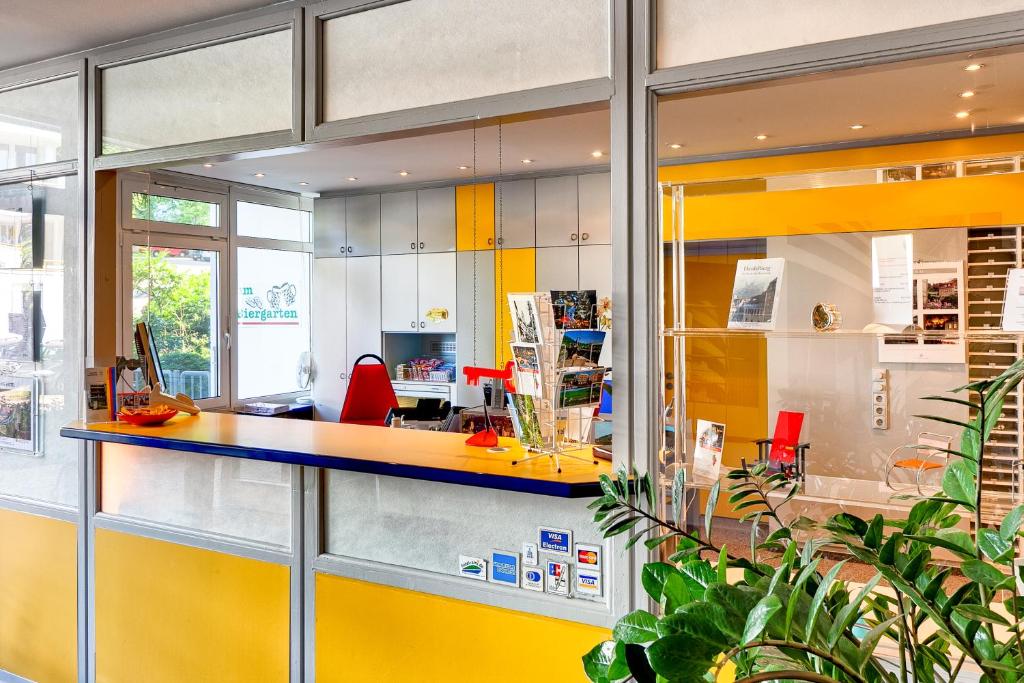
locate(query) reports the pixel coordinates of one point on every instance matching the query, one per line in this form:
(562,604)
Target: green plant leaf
(979,613)
(622,482)
(1011,523)
(599,502)
(598,663)
(607,486)
(795,595)
(960,543)
(959,484)
(723,566)
(759,617)
(870,641)
(653,543)
(913,567)
(819,598)
(653,577)
(675,658)
(984,573)
(873,535)
(639,667)
(950,399)
(622,526)
(639,626)
(887,555)
(709,509)
(995,547)
(949,420)
(850,612)
(677,593)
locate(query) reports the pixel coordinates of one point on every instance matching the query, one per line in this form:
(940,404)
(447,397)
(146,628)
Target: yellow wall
(38,603)
(515,270)
(167,613)
(474,204)
(368,632)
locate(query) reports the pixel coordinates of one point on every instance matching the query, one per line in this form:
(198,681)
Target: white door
(437,298)
(558,268)
(435,211)
(329,231)
(596,274)
(330,363)
(398,293)
(595,198)
(557,212)
(363,308)
(398,223)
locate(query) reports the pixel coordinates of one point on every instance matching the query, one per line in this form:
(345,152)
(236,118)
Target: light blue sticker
(505,568)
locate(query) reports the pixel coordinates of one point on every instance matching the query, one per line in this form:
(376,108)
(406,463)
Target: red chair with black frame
(370,398)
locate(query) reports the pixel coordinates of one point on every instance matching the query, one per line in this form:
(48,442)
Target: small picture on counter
(707,455)
(580,348)
(526,318)
(755,294)
(575,310)
(528,371)
(580,387)
(526,420)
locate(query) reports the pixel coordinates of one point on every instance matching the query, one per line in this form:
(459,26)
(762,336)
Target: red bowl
(147,419)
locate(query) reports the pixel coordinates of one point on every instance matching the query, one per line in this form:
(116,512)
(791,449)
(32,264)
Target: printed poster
(892,280)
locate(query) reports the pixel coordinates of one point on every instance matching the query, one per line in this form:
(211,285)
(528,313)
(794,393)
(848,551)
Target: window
(152,207)
(272,222)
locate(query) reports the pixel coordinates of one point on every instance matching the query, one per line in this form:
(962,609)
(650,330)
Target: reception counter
(280,543)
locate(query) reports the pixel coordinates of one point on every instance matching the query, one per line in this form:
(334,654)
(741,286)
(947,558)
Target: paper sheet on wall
(892,279)
(1013,304)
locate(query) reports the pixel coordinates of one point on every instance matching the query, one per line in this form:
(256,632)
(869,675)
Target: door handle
(573,236)
(585,236)
(227,341)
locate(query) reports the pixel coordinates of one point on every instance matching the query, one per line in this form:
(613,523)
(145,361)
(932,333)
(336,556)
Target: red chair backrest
(370,395)
(787,435)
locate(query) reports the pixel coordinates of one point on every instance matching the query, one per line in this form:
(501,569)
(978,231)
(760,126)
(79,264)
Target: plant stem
(803,647)
(786,676)
(956,669)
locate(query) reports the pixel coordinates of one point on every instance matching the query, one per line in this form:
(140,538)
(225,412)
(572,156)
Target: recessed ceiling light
(463,168)
(207,165)
(259,175)
(675,145)
(403,173)
(527,161)
(967,93)
(962,114)
(597,154)
(973,67)
(856,126)
(303,182)
(762,136)
(351,178)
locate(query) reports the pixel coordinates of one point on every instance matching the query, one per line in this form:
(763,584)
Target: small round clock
(826,317)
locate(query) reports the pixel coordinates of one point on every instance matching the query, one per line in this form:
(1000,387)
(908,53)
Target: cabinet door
(435,210)
(398,310)
(474,335)
(363,225)
(363,308)
(329,227)
(595,199)
(596,274)
(557,212)
(515,218)
(558,268)
(398,223)
(330,378)
(437,291)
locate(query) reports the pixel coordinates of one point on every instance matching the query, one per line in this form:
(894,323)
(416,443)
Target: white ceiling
(921,97)
(552,142)
(38,29)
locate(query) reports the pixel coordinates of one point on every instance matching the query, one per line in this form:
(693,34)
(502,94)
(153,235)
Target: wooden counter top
(413,454)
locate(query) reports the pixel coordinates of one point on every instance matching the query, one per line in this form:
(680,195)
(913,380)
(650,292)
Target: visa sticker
(588,556)
(533,579)
(588,584)
(473,567)
(555,541)
(505,568)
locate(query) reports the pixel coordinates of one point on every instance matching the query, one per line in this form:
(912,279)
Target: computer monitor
(145,348)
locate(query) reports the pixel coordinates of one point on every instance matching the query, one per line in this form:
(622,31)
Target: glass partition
(39,123)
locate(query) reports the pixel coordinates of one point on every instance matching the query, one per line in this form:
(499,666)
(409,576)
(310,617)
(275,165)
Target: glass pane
(40,341)
(273,320)
(152,207)
(272,222)
(39,124)
(175,291)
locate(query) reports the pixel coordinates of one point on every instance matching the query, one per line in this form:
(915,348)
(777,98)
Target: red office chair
(370,396)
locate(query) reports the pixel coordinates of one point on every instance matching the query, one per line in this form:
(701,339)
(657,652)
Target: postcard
(755,294)
(575,310)
(580,348)
(580,387)
(526,420)
(528,368)
(707,452)
(532,317)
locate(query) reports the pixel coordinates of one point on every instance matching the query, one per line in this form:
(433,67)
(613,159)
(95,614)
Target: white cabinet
(399,310)
(398,223)
(515,214)
(330,378)
(363,225)
(436,292)
(363,308)
(557,268)
(595,208)
(329,227)
(435,211)
(557,212)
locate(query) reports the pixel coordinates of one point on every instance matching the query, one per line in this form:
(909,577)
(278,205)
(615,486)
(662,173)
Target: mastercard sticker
(588,556)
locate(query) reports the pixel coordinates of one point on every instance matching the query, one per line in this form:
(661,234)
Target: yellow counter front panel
(167,613)
(38,603)
(369,632)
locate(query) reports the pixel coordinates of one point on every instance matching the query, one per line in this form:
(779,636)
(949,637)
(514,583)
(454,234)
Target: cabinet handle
(490,241)
(573,237)
(350,250)
(341,250)
(584,236)
(422,324)
(413,324)
(341,375)
(412,245)
(501,240)
(421,245)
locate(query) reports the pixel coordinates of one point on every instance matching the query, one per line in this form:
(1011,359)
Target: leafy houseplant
(914,620)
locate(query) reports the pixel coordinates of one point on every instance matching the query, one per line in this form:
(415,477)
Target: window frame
(251,195)
(130,186)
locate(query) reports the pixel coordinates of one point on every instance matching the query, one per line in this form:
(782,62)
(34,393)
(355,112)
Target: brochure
(575,310)
(755,294)
(580,348)
(707,452)
(1013,305)
(528,368)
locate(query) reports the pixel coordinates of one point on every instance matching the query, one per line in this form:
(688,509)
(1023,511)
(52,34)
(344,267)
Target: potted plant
(790,619)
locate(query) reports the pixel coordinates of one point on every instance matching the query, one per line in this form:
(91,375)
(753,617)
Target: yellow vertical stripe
(474,203)
(368,632)
(167,613)
(38,599)
(515,270)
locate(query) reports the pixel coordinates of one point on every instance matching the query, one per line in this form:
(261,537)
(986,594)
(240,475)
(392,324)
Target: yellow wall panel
(167,613)
(474,202)
(368,632)
(515,270)
(38,603)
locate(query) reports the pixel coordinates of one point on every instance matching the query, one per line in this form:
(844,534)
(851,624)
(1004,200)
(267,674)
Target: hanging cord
(475,254)
(501,257)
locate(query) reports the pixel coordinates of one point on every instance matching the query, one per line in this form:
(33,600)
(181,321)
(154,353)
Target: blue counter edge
(478,479)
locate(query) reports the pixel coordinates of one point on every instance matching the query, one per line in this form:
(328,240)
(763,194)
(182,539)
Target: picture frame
(939,305)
